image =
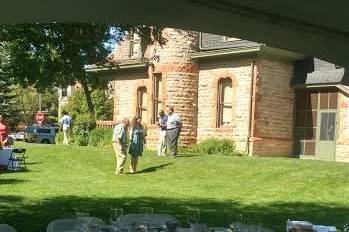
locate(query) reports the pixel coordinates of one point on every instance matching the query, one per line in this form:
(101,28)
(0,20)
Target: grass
(61,180)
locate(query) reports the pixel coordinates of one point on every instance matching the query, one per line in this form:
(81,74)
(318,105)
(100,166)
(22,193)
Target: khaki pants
(133,164)
(162,143)
(120,153)
(66,135)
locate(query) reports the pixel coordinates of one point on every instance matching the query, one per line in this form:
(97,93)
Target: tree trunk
(87,92)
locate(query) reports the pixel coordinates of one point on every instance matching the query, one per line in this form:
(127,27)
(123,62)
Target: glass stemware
(148,214)
(81,220)
(193,216)
(115,217)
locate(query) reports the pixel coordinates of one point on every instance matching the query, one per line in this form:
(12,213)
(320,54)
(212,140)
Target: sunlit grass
(61,180)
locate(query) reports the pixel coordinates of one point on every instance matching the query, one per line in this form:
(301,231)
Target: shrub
(59,138)
(101,137)
(81,139)
(215,146)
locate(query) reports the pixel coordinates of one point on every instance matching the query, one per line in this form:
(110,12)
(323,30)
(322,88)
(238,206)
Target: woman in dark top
(137,139)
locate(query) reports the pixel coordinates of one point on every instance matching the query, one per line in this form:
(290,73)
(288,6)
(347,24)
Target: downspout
(251,108)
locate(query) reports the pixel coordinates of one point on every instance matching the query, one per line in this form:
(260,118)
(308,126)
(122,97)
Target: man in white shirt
(66,123)
(162,135)
(120,136)
(173,129)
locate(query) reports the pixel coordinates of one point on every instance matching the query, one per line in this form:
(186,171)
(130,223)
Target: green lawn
(62,180)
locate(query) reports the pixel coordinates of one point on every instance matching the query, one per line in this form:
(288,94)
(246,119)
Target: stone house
(271,102)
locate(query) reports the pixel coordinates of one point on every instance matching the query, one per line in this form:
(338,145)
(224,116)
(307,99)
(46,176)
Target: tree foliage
(45,55)
(27,103)
(77,106)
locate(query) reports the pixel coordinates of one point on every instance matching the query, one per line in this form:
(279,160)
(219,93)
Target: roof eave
(225,52)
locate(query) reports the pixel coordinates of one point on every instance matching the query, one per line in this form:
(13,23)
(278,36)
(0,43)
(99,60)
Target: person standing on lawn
(120,135)
(162,136)
(137,141)
(173,129)
(66,123)
(3,131)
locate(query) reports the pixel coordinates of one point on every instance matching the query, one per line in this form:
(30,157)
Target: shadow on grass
(11,181)
(33,217)
(154,168)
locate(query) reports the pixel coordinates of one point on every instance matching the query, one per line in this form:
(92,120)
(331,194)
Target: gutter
(225,52)
(250,109)
(103,69)
(338,86)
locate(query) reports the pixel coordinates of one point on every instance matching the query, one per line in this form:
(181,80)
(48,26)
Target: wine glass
(148,213)
(81,220)
(115,217)
(193,216)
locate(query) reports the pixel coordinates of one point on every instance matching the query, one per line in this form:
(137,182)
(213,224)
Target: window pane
(311,118)
(159,87)
(309,148)
(310,133)
(227,115)
(227,92)
(323,131)
(331,125)
(144,99)
(324,100)
(313,100)
(333,100)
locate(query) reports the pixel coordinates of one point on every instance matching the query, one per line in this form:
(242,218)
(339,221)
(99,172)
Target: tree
(7,98)
(45,55)
(27,103)
(76,106)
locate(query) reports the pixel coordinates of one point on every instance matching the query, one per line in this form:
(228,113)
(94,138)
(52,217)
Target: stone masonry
(261,94)
(240,72)
(273,112)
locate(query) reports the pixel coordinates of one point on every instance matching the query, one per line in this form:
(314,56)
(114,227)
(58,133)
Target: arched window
(142,103)
(157,97)
(224,102)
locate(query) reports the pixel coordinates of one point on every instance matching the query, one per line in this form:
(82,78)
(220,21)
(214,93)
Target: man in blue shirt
(66,122)
(162,137)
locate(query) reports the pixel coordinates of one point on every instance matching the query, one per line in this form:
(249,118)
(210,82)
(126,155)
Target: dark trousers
(172,140)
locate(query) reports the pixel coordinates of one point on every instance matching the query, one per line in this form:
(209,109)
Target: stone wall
(125,93)
(342,148)
(273,111)
(179,82)
(240,72)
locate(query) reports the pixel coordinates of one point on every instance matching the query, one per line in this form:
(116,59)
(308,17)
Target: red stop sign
(39,117)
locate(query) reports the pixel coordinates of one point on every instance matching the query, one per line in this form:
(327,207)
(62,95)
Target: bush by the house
(101,137)
(215,146)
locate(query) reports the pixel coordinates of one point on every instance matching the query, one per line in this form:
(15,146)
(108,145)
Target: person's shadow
(154,168)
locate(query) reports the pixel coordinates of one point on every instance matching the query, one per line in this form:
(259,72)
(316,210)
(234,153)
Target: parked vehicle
(19,136)
(35,134)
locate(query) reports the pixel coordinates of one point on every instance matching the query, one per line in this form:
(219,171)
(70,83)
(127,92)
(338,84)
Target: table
(65,225)
(155,219)
(68,224)
(5,155)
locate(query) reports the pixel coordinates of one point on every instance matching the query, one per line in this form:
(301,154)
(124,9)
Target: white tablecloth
(5,155)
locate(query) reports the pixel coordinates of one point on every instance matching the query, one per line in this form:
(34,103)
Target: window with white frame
(224,102)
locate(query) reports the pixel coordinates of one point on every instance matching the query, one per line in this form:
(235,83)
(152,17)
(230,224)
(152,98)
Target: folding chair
(21,159)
